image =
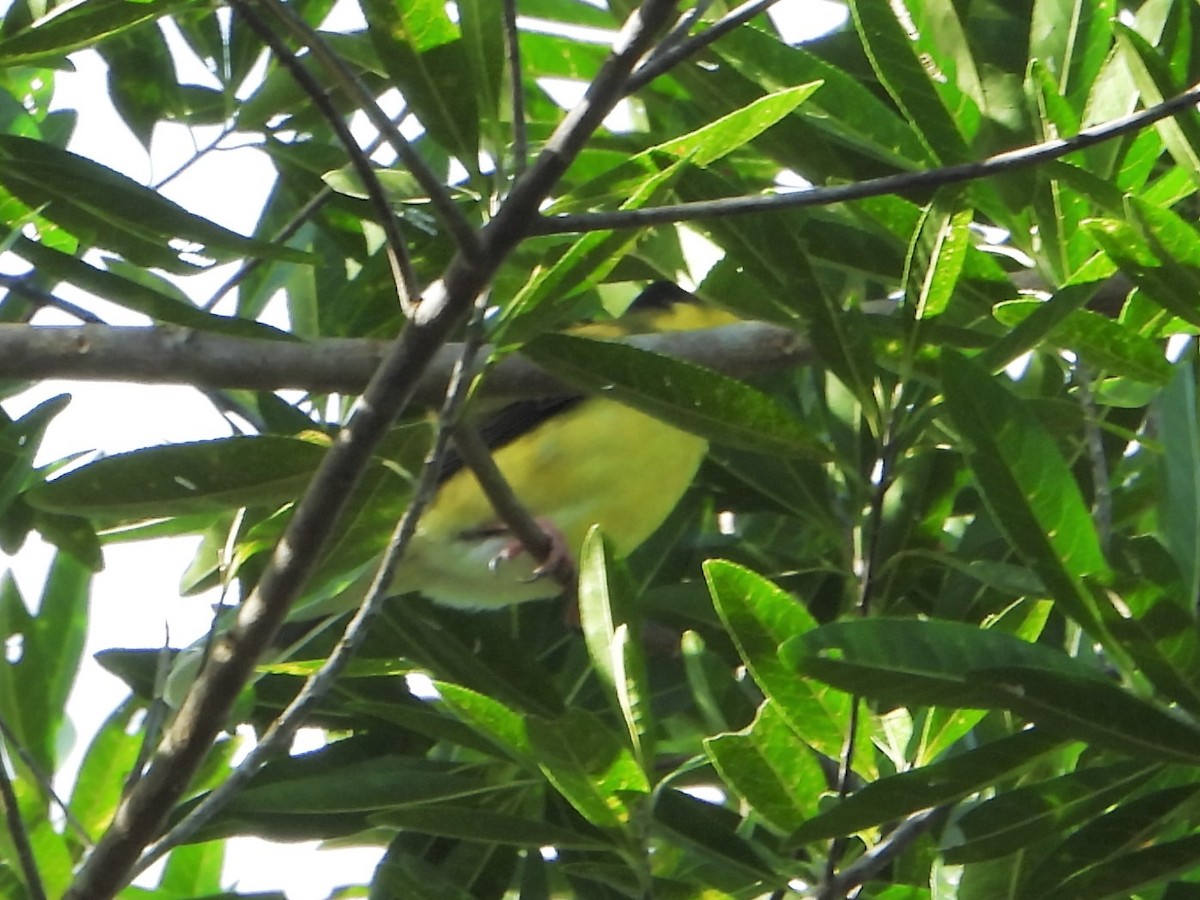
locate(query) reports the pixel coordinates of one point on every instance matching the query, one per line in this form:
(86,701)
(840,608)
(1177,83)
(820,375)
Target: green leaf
(1027,817)
(589,766)
(474,824)
(760,617)
(140,292)
(937,784)
(1101,342)
(1123,876)
(936,256)
(611,626)
(895,61)
(771,768)
(905,662)
(547,296)
(1026,484)
(1112,835)
(78,27)
(706,145)
(424,57)
(1151,74)
(198,477)
(20,441)
(687,396)
(844,108)
(1178,428)
(48,648)
(110,210)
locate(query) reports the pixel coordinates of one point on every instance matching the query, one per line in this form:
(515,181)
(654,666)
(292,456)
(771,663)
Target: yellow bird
(573,463)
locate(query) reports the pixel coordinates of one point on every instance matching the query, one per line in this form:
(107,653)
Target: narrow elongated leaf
(1027,484)
(1121,877)
(1151,73)
(35,685)
(204,476)
(1123,829)
(936,257)
(589,766)
(474,824)
(688,396)
(78,27)
(137,295)
(1028,816)
(423,53)
(612,629)
(845,108)
(1102,343)
(110,210)
(1178,421)
(896,63)
(939,783)
(706,145)
(904,662)
(1173,285)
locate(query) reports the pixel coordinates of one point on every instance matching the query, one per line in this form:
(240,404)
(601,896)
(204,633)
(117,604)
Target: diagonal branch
(279,735)
(903,183)
(452,218)
(402,271)
(672,53)
(141,814)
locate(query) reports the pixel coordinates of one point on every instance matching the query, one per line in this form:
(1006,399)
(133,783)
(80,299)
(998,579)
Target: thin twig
(451,217)
(405,278)
(19,284)
(279,735)
(1094,443)
(904,182)
(512,55)
(44,781)
(669,54)
(229,128)
(495,486)
(20,837)
(291,226)
(141,814)
(879,856)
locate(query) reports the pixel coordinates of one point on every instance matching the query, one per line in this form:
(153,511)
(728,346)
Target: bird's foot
(558,561)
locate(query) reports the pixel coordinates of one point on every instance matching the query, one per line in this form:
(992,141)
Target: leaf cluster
(929,610)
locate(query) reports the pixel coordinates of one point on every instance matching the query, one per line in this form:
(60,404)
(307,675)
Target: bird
(573,462)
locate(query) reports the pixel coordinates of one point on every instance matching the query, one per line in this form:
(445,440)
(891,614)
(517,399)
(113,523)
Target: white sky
(136,596)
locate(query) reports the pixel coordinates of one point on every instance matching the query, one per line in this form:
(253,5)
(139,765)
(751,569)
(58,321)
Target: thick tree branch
(204,711)
(903,183)
(173,355)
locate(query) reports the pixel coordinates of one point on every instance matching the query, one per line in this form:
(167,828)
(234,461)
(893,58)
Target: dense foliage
(936,588)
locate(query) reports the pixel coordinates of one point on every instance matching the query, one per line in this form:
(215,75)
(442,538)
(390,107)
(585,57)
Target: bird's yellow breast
(601,463)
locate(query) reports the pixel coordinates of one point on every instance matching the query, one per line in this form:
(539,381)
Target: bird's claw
(556,561)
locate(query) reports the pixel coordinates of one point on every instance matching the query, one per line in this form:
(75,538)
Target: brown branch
(279,735)
(455,222)
(140,816)
(902,183)
(174,355)
(405,278)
